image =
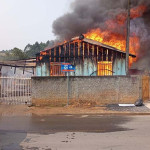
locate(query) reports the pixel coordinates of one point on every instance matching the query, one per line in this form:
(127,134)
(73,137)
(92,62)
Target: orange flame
(114,39)
(43,53)
(138,11)
(118,40)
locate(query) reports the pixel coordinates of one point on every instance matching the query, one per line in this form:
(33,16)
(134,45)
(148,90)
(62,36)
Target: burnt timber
(91,58)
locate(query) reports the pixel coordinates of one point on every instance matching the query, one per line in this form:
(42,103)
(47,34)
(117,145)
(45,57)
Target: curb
(104,114)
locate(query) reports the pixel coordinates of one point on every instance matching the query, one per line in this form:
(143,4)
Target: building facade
(90,58)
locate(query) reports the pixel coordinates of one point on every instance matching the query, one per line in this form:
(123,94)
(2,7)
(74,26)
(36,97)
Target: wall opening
(105,68)
(55,69)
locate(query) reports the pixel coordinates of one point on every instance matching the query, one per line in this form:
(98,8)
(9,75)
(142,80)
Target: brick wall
(103,90)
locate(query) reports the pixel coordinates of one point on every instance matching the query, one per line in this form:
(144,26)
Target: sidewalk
(130,110)
(21,110)
(147,105)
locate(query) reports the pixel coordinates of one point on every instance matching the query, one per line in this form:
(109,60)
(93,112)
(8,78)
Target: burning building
(102,50)
(105,21)
(90,58)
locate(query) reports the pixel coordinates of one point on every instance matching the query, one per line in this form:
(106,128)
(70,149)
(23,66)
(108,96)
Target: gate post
(141,87)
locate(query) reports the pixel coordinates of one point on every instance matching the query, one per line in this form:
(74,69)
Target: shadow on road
(11,140)
(14,129)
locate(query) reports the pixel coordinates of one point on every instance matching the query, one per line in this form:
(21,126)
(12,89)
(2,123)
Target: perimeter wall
(103,90)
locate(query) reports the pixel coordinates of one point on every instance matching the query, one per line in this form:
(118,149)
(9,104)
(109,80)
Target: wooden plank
(79,47)
(145,88)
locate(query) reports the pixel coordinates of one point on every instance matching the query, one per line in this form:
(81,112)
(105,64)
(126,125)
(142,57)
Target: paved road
(75,132)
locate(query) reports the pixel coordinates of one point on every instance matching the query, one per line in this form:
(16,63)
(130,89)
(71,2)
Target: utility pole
(0,70)
(0,80)
(128,39)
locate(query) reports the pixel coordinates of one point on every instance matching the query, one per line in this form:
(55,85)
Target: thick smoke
(85,15)
(90,14)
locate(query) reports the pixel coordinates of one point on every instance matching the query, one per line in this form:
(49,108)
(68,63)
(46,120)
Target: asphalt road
(74,132)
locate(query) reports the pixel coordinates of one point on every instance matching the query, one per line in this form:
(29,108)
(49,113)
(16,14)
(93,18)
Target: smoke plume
(92,14)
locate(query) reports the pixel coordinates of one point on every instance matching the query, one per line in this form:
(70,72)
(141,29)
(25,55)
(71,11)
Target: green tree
(29,51)
(15,54)
(18,54)
(32,50)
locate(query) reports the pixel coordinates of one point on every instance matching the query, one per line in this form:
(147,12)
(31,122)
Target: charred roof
(81,38)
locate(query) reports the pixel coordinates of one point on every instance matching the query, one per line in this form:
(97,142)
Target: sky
(27,21)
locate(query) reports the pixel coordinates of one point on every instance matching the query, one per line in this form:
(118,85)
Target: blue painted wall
(43,70)
(88,67)
(119,66)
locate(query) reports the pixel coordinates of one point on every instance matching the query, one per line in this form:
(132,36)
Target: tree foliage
(32,50)
(15,54)
(28,52)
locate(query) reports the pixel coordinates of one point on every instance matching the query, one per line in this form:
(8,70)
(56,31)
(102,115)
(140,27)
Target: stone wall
(103,90)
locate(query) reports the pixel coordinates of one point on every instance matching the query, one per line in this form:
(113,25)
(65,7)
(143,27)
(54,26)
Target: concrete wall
(103,90)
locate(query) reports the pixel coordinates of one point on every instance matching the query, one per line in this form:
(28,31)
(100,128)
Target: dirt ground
(25,110)
(21,110)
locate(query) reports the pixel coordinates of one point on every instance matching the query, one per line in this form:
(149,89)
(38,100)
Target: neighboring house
(2,54)
(19,68)
(90,58)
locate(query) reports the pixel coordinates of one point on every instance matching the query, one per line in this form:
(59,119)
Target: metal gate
(145,87)
(15,90)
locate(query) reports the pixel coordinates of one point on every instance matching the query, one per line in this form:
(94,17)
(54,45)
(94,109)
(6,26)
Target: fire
(44,53)
(41,57)
(138,11)
(105,68)
(114,39)
(110,37)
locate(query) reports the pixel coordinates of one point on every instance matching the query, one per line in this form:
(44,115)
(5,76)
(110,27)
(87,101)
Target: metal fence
(14,90)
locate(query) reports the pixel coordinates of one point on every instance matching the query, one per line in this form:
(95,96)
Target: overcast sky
(28,21)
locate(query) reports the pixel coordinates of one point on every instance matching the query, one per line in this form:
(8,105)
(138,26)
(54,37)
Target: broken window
(105,68)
